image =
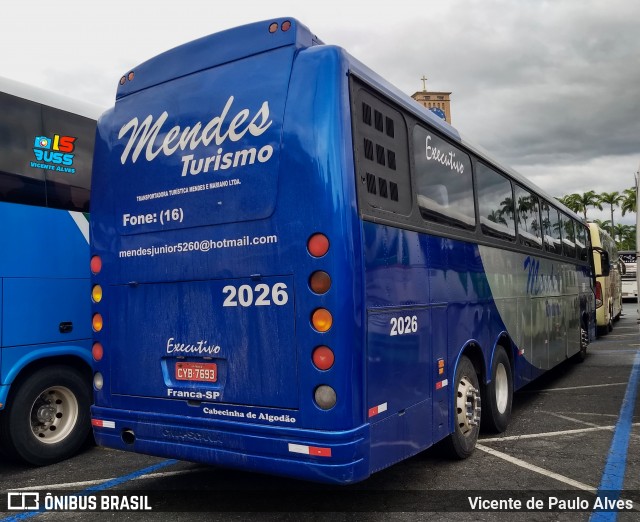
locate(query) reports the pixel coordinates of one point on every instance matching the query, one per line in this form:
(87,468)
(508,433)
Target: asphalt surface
(574,432)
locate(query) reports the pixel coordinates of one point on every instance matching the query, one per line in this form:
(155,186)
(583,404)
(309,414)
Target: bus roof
(251,39)
(50,98)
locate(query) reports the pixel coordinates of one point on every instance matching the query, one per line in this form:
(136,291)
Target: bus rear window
(444,183)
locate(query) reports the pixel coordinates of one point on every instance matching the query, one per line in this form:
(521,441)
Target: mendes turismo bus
(46,153)
(301,271)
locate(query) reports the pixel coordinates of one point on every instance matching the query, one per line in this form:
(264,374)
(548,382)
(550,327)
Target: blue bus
(46,154)
(303,272)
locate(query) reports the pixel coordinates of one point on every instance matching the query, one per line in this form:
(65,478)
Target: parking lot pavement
(574,432)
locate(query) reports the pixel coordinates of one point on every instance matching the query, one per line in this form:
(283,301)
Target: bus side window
(495,203)
(445,188)
(568,236)
(527,211)
(551,228)
(581,242)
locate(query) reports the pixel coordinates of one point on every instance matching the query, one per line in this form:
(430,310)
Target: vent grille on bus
(383,155)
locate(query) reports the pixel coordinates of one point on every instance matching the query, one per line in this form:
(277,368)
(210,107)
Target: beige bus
(608,286)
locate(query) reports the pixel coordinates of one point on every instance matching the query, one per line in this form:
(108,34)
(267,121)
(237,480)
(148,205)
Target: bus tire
(467,411)
(498,394)
(48,419)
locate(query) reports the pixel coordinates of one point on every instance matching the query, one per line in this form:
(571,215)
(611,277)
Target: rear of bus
(608,288)
(226,259)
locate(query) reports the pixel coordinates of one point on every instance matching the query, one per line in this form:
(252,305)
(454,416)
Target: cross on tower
(424,83)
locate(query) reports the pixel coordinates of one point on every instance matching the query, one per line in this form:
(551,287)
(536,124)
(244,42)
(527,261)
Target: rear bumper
(340,457)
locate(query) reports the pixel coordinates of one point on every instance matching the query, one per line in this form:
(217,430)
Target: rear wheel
(467,410)
(48,416)
(498,396)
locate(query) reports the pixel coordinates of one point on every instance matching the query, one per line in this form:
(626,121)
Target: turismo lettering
(143,136)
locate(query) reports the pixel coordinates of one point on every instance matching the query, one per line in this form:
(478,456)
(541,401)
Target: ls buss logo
(54,153)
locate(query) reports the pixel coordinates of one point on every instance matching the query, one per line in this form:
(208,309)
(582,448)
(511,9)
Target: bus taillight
(320,282)
(323,357)
(96,264)
(598,294)
(325,397)
(96,293)
(318,245)
(97,323)
(322,320)
(97,351)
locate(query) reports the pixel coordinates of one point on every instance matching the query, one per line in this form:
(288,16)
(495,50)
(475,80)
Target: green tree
(612,199)
(629,200)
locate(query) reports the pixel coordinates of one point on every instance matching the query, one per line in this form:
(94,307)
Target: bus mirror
(605,264)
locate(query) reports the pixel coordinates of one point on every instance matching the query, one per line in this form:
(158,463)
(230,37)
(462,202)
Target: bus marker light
(322,320)
(99,423)
(310,450)
(96,264)
(323,357)
(286,26)
(318,245)
(97,322)
(442,384)
(97,351)
(96,293)
(98,381)
(273,27)
(320,282)
(130,76)
(378,409)
(325,397)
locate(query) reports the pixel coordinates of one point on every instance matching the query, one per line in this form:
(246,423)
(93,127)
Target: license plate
(201,372)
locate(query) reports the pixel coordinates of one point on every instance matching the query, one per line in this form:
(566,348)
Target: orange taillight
(97,322)
(321,319)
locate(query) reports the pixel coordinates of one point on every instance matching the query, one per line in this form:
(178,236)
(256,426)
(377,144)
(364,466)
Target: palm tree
(629,201)
(611,199)
(625,236)
(586,200)
(571,202)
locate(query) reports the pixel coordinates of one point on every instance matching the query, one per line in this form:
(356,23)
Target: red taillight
(97,351)
(323,357)
(286,26)
(598,294)
(318,245)
(96,264)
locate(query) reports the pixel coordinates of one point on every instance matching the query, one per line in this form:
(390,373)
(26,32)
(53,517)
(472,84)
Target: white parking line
(565,417)
(552,433)
(576,387)
(536,469)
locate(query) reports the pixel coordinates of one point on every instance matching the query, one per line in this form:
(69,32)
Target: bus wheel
(584,344)
(467,411)
(498,395)
(48,417)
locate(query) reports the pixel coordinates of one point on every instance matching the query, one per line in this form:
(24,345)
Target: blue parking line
(612,480)
(100,487)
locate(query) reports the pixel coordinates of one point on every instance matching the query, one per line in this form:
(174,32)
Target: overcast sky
(550,88)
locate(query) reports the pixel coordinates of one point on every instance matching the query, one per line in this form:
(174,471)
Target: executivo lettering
(152,138)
